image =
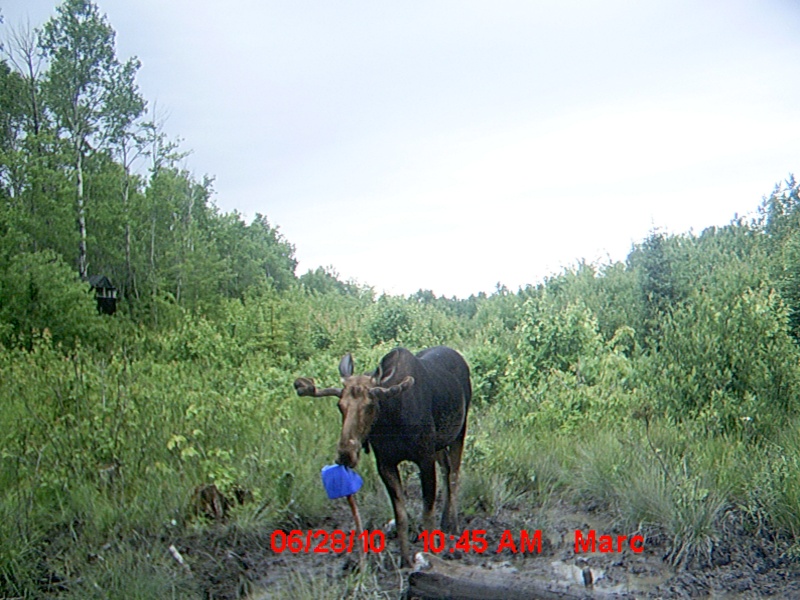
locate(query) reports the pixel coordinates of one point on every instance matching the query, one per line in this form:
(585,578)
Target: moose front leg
(394,486)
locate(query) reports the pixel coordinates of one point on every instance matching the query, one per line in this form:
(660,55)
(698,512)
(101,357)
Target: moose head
(359,402)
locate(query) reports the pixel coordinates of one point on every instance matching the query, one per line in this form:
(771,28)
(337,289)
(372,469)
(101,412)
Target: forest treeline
(689,346)
(91,180)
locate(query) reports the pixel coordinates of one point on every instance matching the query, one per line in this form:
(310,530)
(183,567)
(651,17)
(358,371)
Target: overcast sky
(454,145)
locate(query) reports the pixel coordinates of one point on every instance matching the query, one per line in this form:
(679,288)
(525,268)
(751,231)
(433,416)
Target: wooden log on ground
(436,579)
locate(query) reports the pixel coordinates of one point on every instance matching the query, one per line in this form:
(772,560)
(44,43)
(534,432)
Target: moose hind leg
(450,460)
(394,486)
(427,476)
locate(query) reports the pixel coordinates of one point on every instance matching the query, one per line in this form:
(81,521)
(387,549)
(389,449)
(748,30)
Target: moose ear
(387,376)
(377,375)
(346,366)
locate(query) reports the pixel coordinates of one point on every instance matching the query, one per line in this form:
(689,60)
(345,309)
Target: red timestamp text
(320,541)
(474,540)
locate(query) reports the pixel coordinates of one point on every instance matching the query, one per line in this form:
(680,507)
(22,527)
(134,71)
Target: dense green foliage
(664,387)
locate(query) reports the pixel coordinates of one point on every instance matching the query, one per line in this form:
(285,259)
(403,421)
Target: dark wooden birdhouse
(105,294)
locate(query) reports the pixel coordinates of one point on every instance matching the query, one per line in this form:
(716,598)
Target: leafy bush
(406,322)
(41,295)
(562,374)
(390,318)
(552,339)
(488,364)
(727,362)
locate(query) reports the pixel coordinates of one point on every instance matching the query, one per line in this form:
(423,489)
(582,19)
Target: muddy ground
(744,562)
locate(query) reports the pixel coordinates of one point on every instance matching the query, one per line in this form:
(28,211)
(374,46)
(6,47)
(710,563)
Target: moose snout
(348,453)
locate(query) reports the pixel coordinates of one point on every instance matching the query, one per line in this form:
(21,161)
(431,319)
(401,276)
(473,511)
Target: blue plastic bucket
(340,481)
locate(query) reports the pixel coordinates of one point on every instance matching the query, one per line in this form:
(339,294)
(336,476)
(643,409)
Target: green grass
(68,514)
(663,480)
(301,586)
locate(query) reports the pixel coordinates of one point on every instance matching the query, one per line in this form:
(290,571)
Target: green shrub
(42,296)
(552,339)
(727,363)
(390,318)
(488,364)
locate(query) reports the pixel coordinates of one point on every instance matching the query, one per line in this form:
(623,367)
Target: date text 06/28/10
(436,541)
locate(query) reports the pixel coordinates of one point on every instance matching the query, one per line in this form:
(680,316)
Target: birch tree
(125,135)
(79,44)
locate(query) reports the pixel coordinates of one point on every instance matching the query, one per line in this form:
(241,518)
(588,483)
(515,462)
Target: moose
(411,408)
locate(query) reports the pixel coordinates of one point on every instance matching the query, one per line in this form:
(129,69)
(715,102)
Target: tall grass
(96,448)
(665,481)
(300,586)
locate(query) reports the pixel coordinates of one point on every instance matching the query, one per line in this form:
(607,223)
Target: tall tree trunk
(130,279)
(83,266)
(154,292)
(130,284)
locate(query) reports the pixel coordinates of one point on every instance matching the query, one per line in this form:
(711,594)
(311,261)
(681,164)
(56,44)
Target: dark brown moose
(410,408)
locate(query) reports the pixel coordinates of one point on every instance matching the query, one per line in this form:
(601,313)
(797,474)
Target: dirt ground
(743,564)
